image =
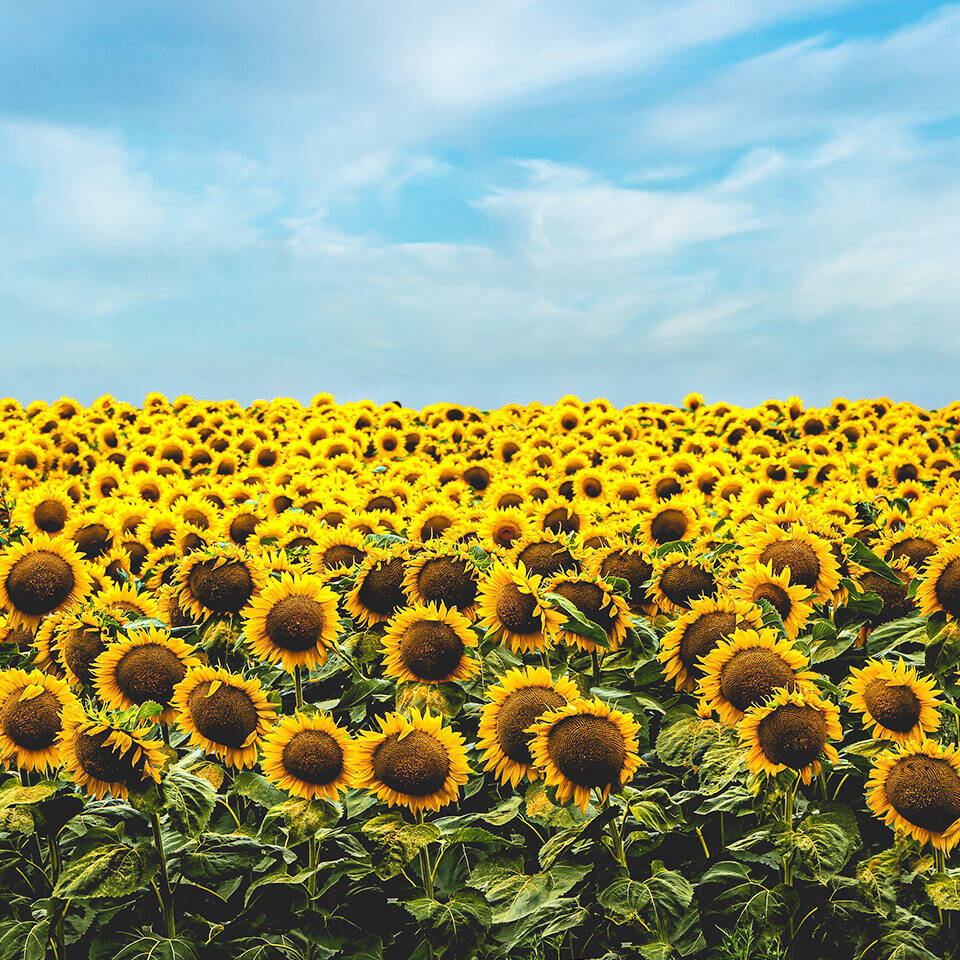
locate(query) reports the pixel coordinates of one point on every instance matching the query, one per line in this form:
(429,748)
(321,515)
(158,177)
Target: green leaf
(456,927)
(256,788)
(113,870)
(188,801)
(396,842)
(577,623)
(516,895)
(944,890)
(35,946)
(684,742)
(219,857)
(860,553)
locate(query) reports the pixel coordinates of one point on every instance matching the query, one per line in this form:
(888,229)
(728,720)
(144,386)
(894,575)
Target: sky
(480,202)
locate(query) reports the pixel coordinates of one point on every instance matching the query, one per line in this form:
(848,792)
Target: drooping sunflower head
(697,632)
(377,592)
(428,644)
(443,575)
(596,601)
(141,666)
(746,669)
(901,706)
(916,791)
(678,579)
(512,608)
(102,759)
(33,707)
(309,756)
(520,698)
(219,581)
(416,763)
(790,730)
(940,587)
(224,714)
(791,602)
(39,577)
(293,622)
(585,746)
(807,556)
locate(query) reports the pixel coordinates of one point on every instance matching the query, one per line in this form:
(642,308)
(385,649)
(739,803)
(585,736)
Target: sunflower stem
(298,686)
(595,660)
(614,830)
(165,733)
(166,898)
(426,873)
(57,909)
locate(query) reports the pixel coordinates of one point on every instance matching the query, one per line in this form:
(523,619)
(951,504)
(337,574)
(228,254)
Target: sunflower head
(901,706)
(309,756)
(585,746)
(627,562)
(940,587)
(33,708)
(544,554)
(595,600)
(39,577)
(427,643)
(678,579)
(512,608)
(807,556)
(219,581)
(413,762)
(520,698)
(444,576)
(377,593)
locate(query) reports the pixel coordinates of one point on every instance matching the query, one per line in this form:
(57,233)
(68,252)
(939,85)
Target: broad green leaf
(188,801)
(456,927)
(396,842)
(114,870)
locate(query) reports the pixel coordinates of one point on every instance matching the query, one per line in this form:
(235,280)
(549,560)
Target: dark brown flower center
(431,650)
(416,766)
(382,588)
(434,526)
(682,582)
(701,636)
(80,648)
(31,724)
(505,532)
(103,761)
(793,735)
(313,756)
(666,488)
(520,709)
(224,589)
(227,717)
(341,555)
(39,582)
(630,567)
(590,751)
(925,791)
(751,675)
(776,596)
(545,558)
(894,706)
(799,557)
(93,540)
(515,610)
(893,595)
(242,527)
(917,550)
(561,520)
(448,580)
(50,516)
(947,588)
(295,623)
(149,672)
(589,598)
(668,526)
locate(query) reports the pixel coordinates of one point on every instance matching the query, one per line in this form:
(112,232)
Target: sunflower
(746,669)
(671,520)
(309,756)
(377,593)
(585,746)
(901,706)
(520,698)
(916,790)
(443,575)
(428,644)
(791,602)
(33,708)
(697,632)
(545,554)
(141,666)
(416,763)
(218,582)
(622,559)
(39,577)
(513,610)
(500,528)
(596,601)
(939,588)
(338,551)
(103,759)
(44,510)
(225,714)
(807,556)
(790,730)
(293,621)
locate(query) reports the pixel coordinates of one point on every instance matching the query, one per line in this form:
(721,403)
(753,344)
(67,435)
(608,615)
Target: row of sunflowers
(566,681)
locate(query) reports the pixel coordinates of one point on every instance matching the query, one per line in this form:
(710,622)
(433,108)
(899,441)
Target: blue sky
(480,201)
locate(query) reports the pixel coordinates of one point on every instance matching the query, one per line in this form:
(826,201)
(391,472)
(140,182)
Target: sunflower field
(547,682)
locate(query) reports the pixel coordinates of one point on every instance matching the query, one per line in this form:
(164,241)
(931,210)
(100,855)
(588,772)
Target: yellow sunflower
(585,746)
(516,702)
(225,714)
(427,643)
(141,666)
(791,602)
(102,759)
(44,510)
(512,609)
(916,791)
(39,577)
(293,621)
(545,554)
(671,520)
(33,709)
(625,560)
(309,756)
(416,763)
(219,582)
(697,632)
(377,592)
(596,601)
(746,669)
(901,706)
(678,579)
(939,588)
(790,730)
(445,575)
(338,551)
(807,556)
